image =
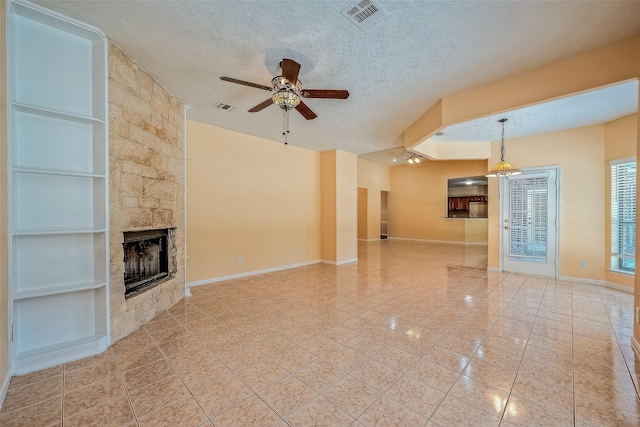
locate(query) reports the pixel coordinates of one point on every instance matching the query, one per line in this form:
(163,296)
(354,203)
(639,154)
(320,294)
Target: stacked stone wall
(147,176)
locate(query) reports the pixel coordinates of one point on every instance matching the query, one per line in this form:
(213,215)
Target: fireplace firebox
(146,259)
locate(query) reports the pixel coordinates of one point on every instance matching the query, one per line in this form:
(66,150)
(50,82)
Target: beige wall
(580,154)
(363,196)
(248,197)
(328,206)
(346,206)
(620,142)
(418,201)
(375,178)
(4,280)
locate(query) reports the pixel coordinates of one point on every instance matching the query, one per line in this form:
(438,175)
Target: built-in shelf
(53,290)
(49,231)
(58,188)
(58,173)
(46,112)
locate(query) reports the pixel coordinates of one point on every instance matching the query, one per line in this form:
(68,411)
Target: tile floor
(414,334)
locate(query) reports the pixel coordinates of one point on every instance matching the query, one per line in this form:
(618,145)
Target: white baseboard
(439,241)
(496,269)
(346,261)
(5,387)
(582,280)
(598,283)
(619,287)
(250,273)
(187,292)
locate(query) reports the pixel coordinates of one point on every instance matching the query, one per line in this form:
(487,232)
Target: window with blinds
(623,215)
(528,219)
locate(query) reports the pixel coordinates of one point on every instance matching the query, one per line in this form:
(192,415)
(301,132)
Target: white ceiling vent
(225,107)
(365,14)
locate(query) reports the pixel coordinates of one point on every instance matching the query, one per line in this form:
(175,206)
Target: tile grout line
(124,385)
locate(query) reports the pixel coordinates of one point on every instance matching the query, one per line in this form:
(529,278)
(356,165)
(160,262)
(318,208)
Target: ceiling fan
(286,92)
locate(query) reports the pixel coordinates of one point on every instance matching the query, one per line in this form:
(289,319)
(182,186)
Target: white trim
(635,346)
(582,280)
(596,282)
(5,387)
(497,269)
(187,292)
(250,273)
(440,241)
(621,161)
(619,287)
(346,261)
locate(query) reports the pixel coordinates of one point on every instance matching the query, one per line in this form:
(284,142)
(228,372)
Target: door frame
(502,200)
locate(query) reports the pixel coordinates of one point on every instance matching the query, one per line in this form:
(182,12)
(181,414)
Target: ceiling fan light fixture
(285,99)
(286,94)
(503,168)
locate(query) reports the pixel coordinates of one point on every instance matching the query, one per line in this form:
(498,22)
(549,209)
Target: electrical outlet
(584,264)
(240,260)
(297,252)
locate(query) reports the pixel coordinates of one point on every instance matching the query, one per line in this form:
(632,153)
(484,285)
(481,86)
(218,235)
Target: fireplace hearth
(146,259)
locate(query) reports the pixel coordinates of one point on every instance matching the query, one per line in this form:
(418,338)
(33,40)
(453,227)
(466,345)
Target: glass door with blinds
(623,215)
(529,222)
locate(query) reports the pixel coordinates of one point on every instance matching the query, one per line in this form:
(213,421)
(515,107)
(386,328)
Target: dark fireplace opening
(146,259)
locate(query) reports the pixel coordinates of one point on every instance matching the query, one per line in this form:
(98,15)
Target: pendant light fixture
(503,168)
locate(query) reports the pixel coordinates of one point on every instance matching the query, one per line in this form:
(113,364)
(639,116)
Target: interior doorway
(528,222)
(384,196)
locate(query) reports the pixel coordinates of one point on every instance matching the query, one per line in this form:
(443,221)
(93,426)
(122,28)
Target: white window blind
(623,216)
(528,219)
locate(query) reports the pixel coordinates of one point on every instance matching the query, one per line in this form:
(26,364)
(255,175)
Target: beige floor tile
(287,395)
(454,412)
(522,412)
(183,413)
(345,358)
(376,375)
(399,322)
(147,374)
(262,374)
(481,395)
(319,374)
(114,413)
(92,395)
(293,358)
(153,396)
(554,399)
(351,395)
(251,412)
(32,393)
(494,375)
(433,374)
(221,395)
(416,395)
(319,412)
(44,413)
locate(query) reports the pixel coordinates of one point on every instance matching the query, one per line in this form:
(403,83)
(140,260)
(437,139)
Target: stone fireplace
(146,259)
(146,192)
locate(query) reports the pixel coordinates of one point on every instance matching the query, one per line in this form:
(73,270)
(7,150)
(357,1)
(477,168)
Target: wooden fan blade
(325,93)
(242,82)
(261,106)
(290,70)
(306,111)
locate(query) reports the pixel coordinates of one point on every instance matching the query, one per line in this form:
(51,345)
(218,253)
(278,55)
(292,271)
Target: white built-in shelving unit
(58,186)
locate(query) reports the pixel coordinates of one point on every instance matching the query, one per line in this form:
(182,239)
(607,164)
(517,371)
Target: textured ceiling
(394,71)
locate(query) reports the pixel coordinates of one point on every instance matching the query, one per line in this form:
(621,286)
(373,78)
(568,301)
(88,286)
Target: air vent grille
(365,14)
(225,107)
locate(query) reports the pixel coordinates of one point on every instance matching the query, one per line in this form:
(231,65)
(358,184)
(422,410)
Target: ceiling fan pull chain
(285,125)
